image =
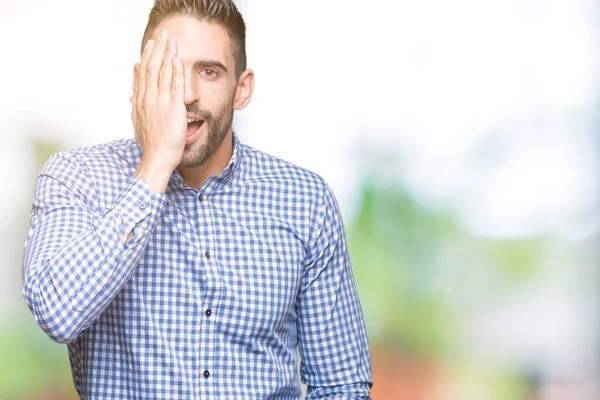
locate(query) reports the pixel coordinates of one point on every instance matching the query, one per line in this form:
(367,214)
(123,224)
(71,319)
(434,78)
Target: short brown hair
(223,12)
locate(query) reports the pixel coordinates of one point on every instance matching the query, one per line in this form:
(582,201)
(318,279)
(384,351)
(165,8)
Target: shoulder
(89,170)
(266,168)
(122,152)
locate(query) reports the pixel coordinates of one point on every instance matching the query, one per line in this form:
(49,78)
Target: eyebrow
(209,64)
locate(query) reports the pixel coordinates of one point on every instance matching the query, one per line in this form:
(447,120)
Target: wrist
(156,173)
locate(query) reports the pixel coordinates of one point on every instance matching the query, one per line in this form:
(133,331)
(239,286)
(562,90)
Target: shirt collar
(227,175)
(236,158)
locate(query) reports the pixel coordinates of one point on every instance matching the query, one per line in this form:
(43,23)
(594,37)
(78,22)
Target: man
(184,264)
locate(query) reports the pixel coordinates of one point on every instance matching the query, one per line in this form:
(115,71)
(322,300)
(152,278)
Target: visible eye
(209,73)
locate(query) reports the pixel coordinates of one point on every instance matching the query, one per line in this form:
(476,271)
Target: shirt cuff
(133,203)
(137,209)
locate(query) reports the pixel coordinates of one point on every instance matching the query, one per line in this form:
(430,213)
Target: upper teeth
(191,120)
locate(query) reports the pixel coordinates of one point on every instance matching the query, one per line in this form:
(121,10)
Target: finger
(133,112)
(141,81)
(177,85)
(155,63)
(166,72)
(132,99)
(134,82)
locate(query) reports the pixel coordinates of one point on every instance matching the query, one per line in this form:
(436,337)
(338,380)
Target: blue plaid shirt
(214,293)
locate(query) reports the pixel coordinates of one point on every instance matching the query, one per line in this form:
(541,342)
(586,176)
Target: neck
(214,165)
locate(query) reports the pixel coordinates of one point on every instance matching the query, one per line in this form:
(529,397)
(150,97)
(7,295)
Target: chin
(194,155)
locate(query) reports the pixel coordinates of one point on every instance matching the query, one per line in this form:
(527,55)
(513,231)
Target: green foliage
(393,244)
(407,260)
(518,259)
(31,363)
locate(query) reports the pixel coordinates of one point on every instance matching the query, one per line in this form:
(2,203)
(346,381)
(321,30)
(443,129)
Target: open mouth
(194,129)
(194,125)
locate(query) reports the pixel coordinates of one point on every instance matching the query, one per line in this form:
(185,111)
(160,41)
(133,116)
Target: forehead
(197,40)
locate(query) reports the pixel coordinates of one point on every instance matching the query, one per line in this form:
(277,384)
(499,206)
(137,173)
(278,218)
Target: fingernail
(150,43)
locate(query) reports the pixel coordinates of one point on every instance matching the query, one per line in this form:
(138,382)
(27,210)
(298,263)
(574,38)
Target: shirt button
(201,198)
(208,312)
(206,373)
(142,206)
(207,254)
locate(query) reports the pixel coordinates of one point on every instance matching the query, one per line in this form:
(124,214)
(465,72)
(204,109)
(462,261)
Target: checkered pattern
(214,292)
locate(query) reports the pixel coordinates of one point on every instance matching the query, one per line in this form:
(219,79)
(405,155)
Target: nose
(190,94)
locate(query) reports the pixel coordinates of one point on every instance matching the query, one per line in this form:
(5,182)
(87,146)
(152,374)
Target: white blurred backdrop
(488,108)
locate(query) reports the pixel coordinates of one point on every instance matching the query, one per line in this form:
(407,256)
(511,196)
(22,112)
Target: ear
(244,90)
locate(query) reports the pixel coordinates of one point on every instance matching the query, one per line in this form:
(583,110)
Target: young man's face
(210,83)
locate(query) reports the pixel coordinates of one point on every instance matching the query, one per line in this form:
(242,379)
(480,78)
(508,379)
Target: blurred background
(461,139)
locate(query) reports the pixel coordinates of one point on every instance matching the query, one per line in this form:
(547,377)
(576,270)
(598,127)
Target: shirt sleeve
(75,260)
(332,337)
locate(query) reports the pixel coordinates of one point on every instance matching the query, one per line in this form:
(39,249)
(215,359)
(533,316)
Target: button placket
(212,284)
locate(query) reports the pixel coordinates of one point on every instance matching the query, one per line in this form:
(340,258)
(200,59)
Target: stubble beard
(197,153)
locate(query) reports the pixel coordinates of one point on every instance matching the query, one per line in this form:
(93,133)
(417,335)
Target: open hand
(158,110)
